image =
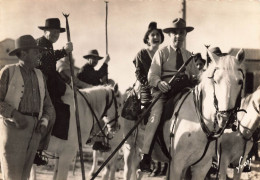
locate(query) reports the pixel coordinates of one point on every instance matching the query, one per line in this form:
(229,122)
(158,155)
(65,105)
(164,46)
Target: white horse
(210,103)
(111,167)
(103,102)
(236,145)
(202,115)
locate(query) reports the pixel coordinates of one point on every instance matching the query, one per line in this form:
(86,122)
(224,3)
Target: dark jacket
(91,76)
(142,63)
(56,86)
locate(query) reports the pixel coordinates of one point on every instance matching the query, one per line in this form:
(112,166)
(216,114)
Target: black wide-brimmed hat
(178,23)
(52,23)
(217,51)
(93,53)
(25,42)
(153,26)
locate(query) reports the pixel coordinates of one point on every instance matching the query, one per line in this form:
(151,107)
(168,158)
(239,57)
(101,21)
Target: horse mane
(227,62)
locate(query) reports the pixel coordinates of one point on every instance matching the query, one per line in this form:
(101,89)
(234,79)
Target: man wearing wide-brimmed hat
(25,110)
(165,64)
(55,84)
(88,74)
(94,77)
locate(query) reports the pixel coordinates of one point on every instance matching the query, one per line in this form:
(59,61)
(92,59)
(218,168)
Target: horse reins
(103,114)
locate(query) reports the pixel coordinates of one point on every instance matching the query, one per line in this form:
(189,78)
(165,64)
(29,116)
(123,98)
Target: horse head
(251,119)
(224,77)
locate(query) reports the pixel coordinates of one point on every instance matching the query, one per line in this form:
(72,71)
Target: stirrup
(40,160)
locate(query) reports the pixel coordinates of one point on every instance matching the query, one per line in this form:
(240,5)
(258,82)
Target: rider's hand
(68,47)
(107,58)
(20,120)
(164,86)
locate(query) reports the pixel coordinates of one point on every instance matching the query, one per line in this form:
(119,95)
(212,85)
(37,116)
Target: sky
(224,23)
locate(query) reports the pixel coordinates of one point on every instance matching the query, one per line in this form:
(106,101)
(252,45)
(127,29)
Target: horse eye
(240,82)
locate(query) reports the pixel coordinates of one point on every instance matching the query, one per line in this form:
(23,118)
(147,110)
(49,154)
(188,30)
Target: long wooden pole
(141,118)
(106,36)
(106,27)
(75,101)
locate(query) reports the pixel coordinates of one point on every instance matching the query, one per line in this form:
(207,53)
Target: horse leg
(200,170)
(135,164)
(113,167)
(33,172)
(175,169)
(106,171)
(224,162)
(237,174)
(65,160)
(56,167)
(128,159)
(94,164)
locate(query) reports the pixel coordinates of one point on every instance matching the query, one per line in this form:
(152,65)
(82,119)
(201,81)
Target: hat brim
(93,55)
(13,52)
(47,28)
(167,30)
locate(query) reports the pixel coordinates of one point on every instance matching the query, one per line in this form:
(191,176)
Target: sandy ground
(46,172)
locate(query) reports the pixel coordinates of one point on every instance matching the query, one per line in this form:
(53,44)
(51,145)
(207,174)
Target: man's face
(32,57)
(52,34)
(177,37)
(92,61)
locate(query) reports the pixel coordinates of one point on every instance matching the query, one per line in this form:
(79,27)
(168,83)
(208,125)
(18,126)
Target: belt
(31,114)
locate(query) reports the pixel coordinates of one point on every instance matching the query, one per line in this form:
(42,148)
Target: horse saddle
(166,115)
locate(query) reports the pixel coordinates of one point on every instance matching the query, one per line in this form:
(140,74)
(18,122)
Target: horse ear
(240,55)
(116,87)
(213,56)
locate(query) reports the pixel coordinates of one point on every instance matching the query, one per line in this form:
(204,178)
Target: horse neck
(96,101)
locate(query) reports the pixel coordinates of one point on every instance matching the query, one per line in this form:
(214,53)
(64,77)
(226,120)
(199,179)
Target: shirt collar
(171,47)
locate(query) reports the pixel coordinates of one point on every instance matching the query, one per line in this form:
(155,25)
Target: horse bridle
(230,112)
(108,105)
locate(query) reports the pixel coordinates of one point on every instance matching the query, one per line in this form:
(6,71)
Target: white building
(5,47)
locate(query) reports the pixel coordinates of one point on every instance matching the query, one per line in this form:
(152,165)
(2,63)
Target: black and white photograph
(129,89)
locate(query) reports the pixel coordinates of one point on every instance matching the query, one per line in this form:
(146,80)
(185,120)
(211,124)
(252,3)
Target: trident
(75,101)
